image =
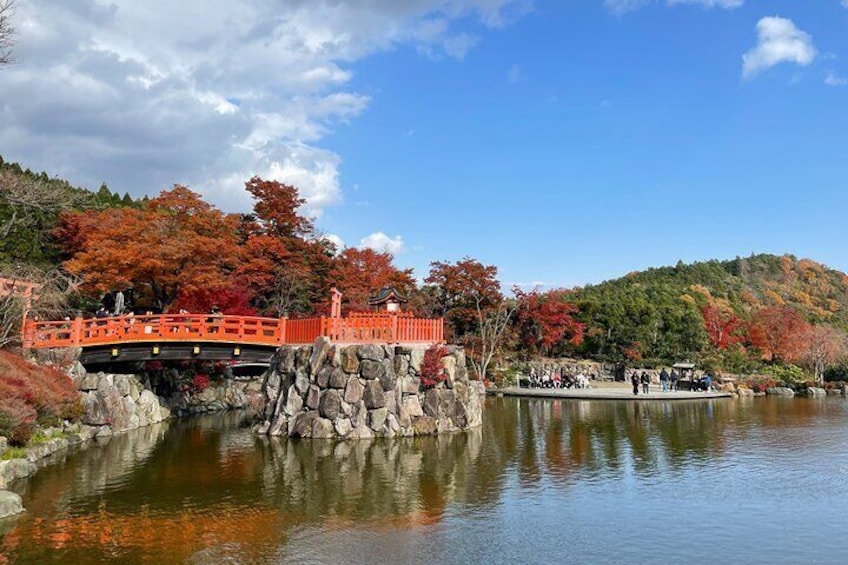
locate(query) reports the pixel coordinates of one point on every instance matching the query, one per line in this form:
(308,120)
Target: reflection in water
(208,491)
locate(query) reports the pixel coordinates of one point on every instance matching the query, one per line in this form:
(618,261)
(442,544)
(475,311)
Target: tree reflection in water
(208,490)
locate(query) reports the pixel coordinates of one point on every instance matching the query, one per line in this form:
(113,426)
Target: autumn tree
(360,273)
(283,261)
(462,291)
(780,333)
(470,298)
(722,326)
(826,346)
(175,243)
(545,319)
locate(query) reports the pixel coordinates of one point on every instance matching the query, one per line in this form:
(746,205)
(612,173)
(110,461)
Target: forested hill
(660,313)
(30,204)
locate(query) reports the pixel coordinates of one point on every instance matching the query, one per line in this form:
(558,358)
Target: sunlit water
(543,481)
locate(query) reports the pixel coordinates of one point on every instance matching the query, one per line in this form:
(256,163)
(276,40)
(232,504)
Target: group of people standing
(668,381)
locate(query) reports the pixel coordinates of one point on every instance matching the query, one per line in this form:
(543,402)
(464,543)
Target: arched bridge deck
(205,336)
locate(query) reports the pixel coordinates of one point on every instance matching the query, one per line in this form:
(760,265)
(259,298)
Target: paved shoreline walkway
(609,393)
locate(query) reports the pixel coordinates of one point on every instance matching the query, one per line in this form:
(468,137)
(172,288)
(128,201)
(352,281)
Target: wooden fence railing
(248,330)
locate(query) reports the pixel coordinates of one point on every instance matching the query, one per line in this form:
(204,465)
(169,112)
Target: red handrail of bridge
(246,330)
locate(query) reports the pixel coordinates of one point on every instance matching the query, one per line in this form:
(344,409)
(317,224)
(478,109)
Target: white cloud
(778,41)
(515,74)
(380,242)
(335,240)
(833,79)
(620,7)
(208,92)
(725,4)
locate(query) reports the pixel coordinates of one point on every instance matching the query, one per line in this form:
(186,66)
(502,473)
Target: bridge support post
(76,332)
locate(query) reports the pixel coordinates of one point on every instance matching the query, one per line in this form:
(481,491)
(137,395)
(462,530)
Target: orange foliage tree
(780,333)
(464,289)
(283,261)
(360,273)
(544,320)
(722,326)
(176,243)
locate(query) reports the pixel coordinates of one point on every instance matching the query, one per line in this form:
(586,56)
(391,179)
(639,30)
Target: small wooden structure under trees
(388,299)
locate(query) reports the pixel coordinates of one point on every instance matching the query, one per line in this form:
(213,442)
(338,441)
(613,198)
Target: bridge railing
(230,329)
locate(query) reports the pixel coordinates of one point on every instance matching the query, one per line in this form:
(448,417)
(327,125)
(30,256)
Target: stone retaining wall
(364,391)
(117,404)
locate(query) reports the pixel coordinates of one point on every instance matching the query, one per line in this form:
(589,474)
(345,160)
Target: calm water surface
(555,481)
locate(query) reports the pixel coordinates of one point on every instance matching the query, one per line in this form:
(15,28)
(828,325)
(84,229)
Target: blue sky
(565,142)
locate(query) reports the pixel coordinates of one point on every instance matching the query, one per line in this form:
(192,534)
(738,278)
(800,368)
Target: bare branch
(7,32)
(48,302)
(26,197)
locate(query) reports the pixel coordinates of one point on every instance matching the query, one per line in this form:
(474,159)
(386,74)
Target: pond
(566,481)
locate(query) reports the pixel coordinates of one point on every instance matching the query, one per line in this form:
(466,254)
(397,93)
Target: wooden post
(336,303)
(282,329)
(76,332)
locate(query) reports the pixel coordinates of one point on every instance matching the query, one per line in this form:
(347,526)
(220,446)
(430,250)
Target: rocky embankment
(116,404)
(365,391)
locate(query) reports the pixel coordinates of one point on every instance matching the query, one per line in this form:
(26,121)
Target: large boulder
(320,350)
(338,379)
(373,395)
(412,407)
(122,384)
(449,363)
(350,360)
(96,410)
(285,358)
(816,392)
(313,397)
(13,469)
(323,378)
(301,425)
(294,402)
(353,391)
(372,352)
(301,381)
(431,403)
(322,428)
(424,425)
(10,504)
(387,377)
(370,370)
(343,427)
(416,357)
(331,404)
(377,418)
(410,384)
(780,391)
(87,382)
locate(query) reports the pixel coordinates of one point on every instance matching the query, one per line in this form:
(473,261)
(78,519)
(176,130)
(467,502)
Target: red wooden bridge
(208,336)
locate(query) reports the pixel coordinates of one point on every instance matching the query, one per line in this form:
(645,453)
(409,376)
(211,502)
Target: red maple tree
(546,319)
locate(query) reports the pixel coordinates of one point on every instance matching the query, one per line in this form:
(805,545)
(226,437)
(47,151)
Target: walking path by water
(611,391)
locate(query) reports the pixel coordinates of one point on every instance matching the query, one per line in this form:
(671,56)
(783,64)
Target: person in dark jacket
(646,381)
(664,380)
(634,380)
